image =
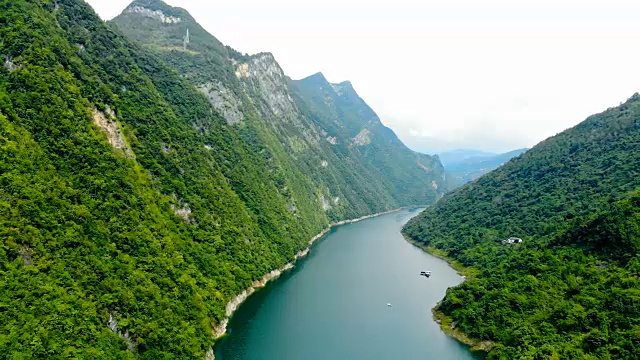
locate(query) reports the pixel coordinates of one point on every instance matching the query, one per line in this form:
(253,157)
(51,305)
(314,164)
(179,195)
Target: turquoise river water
(333,304)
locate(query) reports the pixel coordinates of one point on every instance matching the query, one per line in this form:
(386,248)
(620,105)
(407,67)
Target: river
(333,304)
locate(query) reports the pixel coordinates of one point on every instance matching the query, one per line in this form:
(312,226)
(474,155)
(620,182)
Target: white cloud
(495,75)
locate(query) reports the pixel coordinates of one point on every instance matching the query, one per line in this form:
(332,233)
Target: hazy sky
(449,73)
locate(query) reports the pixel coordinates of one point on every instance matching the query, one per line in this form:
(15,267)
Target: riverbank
(333,304)
(446,323)
(448,326)
(220,329)
(463,271)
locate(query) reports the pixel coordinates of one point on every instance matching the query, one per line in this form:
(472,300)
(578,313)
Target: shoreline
(220,329)
(447,325)
(465,272)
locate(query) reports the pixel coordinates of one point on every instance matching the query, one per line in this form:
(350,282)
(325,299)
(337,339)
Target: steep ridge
(131,211)
(570,289)
(254,92)
(358,134)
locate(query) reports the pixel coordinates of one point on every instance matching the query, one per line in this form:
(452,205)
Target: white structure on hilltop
(512,240)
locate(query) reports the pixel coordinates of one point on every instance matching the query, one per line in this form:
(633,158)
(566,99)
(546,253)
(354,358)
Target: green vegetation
(314,144)
(130,211)
(363,141)
(571,289)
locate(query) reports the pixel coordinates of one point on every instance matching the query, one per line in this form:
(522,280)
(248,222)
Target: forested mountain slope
(352,162)
(131,210)
(358,136)
(124,196)
(571,289)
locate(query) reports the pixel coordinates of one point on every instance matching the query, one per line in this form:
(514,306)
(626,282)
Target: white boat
(389,304)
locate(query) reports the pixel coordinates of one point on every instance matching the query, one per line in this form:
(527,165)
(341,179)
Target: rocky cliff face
(301,123)
(263,76)
(153,14)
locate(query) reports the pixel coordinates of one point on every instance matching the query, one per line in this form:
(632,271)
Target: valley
(166,196)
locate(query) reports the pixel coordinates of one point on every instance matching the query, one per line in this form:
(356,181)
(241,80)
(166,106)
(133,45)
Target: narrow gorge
(147,180)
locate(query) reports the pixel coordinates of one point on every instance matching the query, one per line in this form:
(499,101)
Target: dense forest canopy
(571,289)
(145,180)
(131,210)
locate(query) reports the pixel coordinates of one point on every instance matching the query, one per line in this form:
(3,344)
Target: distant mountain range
(464,165)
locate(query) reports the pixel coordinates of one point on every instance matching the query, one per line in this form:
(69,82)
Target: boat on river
(425,273)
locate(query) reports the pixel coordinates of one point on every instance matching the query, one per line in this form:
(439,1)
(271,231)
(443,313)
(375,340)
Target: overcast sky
(449,73)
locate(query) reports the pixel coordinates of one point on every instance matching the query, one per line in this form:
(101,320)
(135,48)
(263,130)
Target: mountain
(456,156)
(134,205)
(467,165)
(570,289)
(326,131)
(344,116)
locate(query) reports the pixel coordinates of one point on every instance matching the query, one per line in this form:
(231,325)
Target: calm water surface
(333,305)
